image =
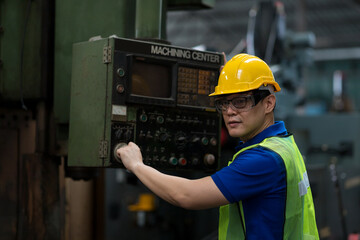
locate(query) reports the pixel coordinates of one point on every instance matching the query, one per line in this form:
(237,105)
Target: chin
(236,134)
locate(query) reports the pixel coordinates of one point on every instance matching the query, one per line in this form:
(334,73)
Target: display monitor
(152,81)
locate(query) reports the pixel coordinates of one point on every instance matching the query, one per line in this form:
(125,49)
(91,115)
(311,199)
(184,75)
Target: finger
(133,145)
(118,153)
(224,56)
(224,59)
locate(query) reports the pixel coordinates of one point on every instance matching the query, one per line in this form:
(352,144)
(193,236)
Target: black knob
(118,133)
(117,146)
(163,137)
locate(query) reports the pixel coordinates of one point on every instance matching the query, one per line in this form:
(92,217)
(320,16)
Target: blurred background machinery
(311,45)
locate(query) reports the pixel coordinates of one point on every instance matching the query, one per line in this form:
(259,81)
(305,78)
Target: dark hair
(260,95)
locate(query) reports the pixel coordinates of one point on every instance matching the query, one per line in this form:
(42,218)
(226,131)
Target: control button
(205,141)
(143,117)
(213,141)
(142,135)
(209,159)
(180,139)
(147,160)
(169,120)
(149,136)
(128,135)
(195,139)
(118,133)
(163,159)
(182,161)
(120,88)
(120,72)
(156,158)
(163,137)
(173,161)
(160,119)
(195,161)
(152,118)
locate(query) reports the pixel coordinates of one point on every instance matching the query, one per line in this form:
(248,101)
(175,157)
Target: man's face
(242,117)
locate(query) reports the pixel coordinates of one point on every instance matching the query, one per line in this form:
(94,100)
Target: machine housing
(153,94)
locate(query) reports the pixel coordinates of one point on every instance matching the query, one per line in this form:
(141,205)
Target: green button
(143,117)
(121,72)
(173,161)
(160,119)
(205,141)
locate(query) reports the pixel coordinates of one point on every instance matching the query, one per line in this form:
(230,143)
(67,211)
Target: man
(264,192)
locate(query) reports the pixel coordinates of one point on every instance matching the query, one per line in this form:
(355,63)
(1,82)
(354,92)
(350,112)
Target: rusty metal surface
(8,183)
(29,181)
(40,218)
(17,136)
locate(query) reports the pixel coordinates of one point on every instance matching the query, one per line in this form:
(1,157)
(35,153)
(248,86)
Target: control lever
(118,146)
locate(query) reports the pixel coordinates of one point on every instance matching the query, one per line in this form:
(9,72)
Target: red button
(182,161)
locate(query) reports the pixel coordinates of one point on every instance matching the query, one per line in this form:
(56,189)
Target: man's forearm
(172,189)
(191,194)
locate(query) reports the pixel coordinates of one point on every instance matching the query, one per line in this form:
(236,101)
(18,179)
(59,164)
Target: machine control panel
(171,138)
(153,94)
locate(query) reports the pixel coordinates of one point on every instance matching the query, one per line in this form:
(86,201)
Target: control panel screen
(151,79)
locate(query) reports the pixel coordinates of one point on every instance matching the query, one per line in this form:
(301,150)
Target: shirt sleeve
(253,172)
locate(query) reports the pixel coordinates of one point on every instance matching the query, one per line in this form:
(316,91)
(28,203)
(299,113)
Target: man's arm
(191,194)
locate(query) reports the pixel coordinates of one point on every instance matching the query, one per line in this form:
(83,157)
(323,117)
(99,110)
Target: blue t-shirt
(257,177)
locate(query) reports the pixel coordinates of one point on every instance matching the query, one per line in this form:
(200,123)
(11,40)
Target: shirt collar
(277,129)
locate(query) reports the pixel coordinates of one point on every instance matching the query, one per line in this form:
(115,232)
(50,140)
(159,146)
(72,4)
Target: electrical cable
(22,54)
(270,46)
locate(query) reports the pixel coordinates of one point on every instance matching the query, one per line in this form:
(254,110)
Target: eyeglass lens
(237,102)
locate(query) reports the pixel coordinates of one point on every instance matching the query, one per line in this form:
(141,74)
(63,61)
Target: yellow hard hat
(243,73)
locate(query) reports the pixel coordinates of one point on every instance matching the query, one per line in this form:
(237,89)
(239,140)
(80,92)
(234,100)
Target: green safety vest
(299,214)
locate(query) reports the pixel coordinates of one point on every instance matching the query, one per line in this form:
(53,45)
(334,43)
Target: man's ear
(270,102)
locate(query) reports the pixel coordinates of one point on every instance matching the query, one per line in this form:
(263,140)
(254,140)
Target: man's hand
(130,156)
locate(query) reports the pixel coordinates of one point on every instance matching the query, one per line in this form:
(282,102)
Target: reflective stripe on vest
(299,214)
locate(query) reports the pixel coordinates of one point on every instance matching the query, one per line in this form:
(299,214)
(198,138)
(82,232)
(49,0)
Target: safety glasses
(240,103)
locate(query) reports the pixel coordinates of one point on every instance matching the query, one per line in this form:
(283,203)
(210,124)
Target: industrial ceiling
(336,24)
